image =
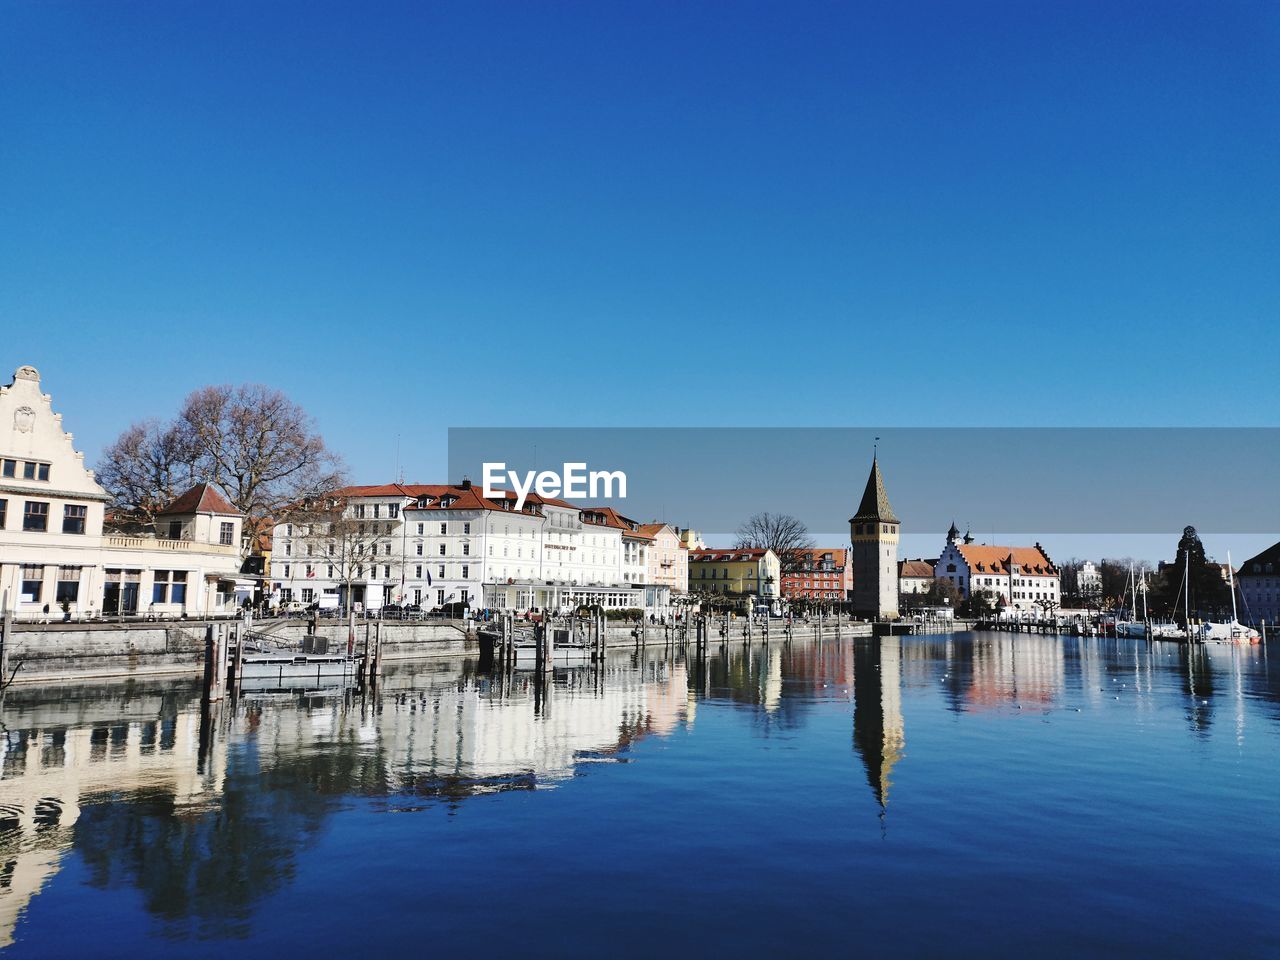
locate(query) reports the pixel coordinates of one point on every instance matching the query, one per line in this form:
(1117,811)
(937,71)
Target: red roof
(984,559)
(915,568)
(457,497)
(202,498)
(726,556)
(611,518)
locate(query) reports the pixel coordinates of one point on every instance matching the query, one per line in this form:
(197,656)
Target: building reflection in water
(59,758)
(879,736)
(205,810)
(207,813)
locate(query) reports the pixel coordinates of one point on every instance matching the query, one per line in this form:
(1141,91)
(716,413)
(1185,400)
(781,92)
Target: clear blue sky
(411,217)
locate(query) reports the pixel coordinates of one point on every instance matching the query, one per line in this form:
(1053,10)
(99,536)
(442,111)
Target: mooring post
(242,637)
(212,663)
(6,636)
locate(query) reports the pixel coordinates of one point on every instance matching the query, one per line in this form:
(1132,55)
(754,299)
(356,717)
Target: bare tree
(147,467)
(253,442)
(786,536)
(327,531)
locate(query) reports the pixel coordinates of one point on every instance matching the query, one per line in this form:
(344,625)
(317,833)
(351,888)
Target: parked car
(453,611)
(392,611)
(413,611)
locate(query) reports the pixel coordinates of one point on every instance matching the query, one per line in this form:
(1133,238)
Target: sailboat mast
(1231,579)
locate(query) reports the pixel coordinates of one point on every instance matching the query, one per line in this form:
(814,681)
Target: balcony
(121,542)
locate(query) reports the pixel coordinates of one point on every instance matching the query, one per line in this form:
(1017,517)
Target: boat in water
(1232,631)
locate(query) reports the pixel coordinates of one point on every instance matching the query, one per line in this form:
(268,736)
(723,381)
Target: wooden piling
(215,670)
(6,638)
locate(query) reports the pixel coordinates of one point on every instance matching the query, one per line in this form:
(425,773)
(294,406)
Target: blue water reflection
(984,795)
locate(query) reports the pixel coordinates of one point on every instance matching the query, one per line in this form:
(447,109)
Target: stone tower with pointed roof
(873,534)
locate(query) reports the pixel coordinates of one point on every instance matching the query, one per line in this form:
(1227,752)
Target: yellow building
(735,573)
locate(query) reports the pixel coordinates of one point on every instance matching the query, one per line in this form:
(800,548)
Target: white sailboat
(1133,628)
(1232,631)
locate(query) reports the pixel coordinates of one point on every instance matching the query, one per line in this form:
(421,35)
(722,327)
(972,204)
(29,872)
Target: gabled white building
(57,559)
(1024,578)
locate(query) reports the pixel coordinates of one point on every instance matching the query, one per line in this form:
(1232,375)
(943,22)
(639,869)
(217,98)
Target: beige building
(738,572)
(915,576)
(668,557)
(56,556)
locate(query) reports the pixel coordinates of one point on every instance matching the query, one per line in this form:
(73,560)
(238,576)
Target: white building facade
(1023,579)
(56,558)
(442,544)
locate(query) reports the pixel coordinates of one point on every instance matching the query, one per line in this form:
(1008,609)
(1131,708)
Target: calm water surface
(969,795)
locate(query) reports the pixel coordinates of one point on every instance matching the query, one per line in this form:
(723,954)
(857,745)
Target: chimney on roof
(466,483)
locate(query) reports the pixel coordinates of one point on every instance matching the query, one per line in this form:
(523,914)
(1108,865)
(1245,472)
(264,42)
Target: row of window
(35,516)
(869,528)
(26,469)
(310,570)
(170,586)
(724,574)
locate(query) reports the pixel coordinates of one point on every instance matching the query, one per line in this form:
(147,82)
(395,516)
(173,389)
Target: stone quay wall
(59,652)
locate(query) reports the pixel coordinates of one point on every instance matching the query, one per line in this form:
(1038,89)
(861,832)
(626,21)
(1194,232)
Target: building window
(417,575)
(465,572)
(4,511)
(32,583)
(419,549)
(68,584)
(11,468)
(466,549)
(419,529)
(386,571)
(466,528)
(160,587)
(226,534)
(444,528)
(31,470)
(36,517)
(442,550)
(359,511)
(377,510)
(441,570)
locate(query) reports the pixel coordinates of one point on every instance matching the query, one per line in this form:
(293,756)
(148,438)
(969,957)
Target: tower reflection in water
(207,814)
(879,736)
